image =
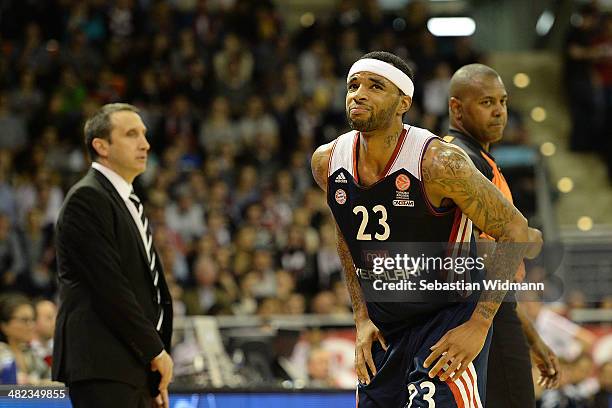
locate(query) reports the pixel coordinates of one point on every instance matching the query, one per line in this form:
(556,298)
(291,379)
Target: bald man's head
(477,104)
(469,77)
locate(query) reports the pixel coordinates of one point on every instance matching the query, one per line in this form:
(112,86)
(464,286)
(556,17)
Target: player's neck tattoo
(391,140)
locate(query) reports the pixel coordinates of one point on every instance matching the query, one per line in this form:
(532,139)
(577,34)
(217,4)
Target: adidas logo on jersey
(340,178)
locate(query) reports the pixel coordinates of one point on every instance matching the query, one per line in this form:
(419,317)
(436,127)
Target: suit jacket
(108,304)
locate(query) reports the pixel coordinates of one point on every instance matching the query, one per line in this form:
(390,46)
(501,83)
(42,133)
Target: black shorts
(403,382)
(509,377)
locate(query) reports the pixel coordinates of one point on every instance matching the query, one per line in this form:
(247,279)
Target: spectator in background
(296,304)
(329,268)
(185,216)
(123,19)
(329,88)
(217,128)
(319,374)
(264,269)
(27,100)
(72,93)
(256,124)
(435,97)
(295,258)
(348,49)
(326,303)
(217,227)
(14,134)
(246,304)
(207,297)
(234,69)
(17,323)
(8,203)
(246,191)
(579,57)
(41,191)
(58,154)
(269,306)
(309,63)
(285,285)
(180,122)
(81,57)
(603,69)
(12,260)
(253,217)
(186,52)
(42,344)
(36,241)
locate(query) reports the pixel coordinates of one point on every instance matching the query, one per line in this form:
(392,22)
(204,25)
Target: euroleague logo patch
(340,196)
(402,182)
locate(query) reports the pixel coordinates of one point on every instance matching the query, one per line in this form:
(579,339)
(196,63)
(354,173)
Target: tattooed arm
(367,332)
(448,174)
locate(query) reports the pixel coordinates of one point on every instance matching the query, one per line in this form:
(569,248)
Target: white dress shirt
(124,189)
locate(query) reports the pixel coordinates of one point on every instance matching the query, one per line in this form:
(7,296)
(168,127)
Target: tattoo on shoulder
(451,172)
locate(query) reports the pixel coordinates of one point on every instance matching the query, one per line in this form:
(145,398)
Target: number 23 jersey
(377,221)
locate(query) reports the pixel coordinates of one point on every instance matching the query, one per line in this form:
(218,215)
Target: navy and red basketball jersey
(390,214)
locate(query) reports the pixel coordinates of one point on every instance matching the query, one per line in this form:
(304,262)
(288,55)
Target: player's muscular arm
(319,165)
(449,174)
(367,332)
(360,312)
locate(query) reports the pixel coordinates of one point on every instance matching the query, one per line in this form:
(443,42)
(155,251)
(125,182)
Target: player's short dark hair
(392,59)
(99,125)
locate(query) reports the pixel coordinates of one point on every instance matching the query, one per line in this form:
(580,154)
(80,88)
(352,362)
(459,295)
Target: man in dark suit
(115,318)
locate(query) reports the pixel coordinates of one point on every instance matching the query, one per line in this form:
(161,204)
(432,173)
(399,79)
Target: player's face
(126,152)
(372,102)
(484,113)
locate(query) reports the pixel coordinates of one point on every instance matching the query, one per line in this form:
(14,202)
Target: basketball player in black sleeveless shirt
(478,116)
(389,182)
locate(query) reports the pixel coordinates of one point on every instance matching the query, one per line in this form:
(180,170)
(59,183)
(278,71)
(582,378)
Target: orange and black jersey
(482,159)
(486,164)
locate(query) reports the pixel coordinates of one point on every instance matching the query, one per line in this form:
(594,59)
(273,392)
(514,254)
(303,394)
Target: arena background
(236,95)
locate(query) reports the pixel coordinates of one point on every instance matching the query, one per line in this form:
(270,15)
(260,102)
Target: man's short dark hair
(99,125)
(392,59)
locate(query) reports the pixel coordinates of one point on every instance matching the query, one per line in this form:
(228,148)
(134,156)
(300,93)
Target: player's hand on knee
(453,353)
(367,334)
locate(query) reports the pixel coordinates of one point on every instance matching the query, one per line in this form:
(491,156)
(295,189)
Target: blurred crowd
(234,105)
(588,75)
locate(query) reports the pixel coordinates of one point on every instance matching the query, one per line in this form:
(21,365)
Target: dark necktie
(150,253)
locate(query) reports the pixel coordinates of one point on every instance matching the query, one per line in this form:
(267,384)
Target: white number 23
(361,235)
(431,389)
